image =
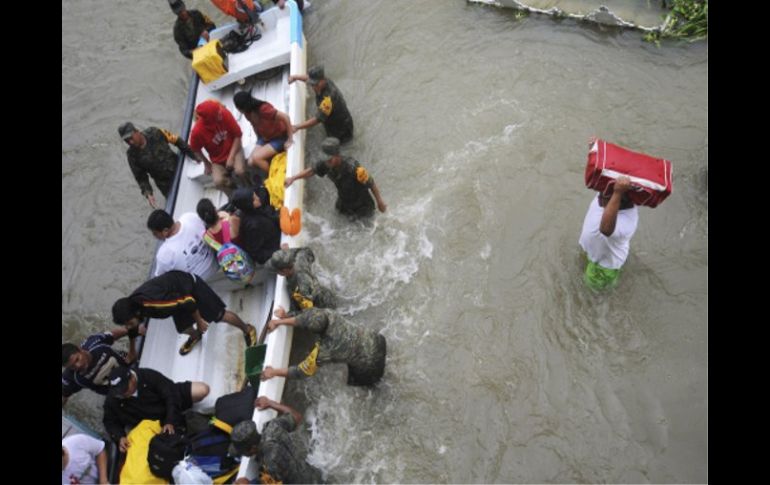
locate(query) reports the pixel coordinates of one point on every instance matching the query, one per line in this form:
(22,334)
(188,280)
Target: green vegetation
(688,19)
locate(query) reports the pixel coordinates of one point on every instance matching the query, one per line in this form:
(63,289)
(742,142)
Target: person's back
(352,190)
(186,250)
(333,112)
(342,341)
(259,231)
(280,458)
(84,460)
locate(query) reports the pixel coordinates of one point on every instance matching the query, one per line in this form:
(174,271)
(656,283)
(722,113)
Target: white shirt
(608,252)
(186,250)
(82,450)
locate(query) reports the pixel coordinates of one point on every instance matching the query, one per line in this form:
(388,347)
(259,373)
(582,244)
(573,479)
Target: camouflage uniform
(186,34)
(341,341)
(353,183)
(156,159)
(333,113)
(304,288)
(279,459)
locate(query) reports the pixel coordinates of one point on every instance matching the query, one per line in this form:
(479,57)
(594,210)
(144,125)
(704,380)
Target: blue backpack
(234,261)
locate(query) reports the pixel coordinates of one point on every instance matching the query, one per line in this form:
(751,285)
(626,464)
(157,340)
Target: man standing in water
(332,109)
(609,225)
(148,154)
(352,180)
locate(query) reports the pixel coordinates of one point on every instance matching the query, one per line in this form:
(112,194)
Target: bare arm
(308,172)
(298,77)
(269,373)
(101,466)
(610,214)
(380,203)
(310,122)
(287,122)
(264,402)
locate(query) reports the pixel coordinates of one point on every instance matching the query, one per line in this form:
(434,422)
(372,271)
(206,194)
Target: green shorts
(599,278)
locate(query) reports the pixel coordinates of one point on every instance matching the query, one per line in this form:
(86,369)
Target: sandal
(251,336)
(188,346)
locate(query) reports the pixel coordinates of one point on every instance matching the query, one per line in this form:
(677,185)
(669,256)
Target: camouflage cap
(243,437)
(331,146)
(176,6)
(126,130)
(281,259)
(315,75)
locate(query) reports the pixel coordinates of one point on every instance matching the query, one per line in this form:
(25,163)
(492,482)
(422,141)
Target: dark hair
(124,310)
(246,102)
(159,220)
(207,212)
(67,350)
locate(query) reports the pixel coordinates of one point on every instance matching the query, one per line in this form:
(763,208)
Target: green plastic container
(255,359)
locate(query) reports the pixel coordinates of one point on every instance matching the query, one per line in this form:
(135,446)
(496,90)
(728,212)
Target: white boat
(218,360)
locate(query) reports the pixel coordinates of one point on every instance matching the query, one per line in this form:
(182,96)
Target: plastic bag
(186,471)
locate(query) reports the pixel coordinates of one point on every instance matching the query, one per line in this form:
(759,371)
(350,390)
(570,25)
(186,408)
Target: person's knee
(199,391)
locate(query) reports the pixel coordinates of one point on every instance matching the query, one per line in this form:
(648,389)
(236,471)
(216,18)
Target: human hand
(168,428)
(622,184)
(151,200)
(288,143)
(267,373)
(123,444)
(205,35)
(288,181)
(272,325)
(382,206)
(262,402)
(280,312)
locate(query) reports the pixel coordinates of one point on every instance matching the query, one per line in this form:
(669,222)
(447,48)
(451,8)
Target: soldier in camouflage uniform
(304,288)
(332,110)
(273,449)
(149,154)
(352,180)
(190,25)
(341,341)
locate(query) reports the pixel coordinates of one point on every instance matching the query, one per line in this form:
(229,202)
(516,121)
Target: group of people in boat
(188,274)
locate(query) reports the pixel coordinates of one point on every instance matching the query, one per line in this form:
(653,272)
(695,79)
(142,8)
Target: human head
(246,103)
(160,224)
(331,151)
(127,313)
(281,261)
(207,212)
(74,358)
(250,199)
(177,6)
(209,111)
(130,134)
(122,382)
(316,78)
(244,440)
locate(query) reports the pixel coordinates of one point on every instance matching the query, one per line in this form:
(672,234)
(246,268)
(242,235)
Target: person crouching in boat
(304,288)
(184,297)
(352,180)
(341,341)
(609,225)
(279,458)
(259,232)
(217,131)
(273,129)
(147,394)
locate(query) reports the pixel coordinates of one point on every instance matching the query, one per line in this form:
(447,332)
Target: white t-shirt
(187,251)
(82,450)
(608,252)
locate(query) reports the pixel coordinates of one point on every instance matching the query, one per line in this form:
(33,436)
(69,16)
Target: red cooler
(650,176)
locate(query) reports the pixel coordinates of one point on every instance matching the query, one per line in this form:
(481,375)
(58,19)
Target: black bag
(236,407)
(165,451)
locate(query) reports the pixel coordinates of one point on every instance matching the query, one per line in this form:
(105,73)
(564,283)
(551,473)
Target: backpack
(235,407)
(165,451)
(234,261)
(208,449)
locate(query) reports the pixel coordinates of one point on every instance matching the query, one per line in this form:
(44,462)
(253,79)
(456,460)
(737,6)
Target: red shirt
(215,131)
(268,126)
